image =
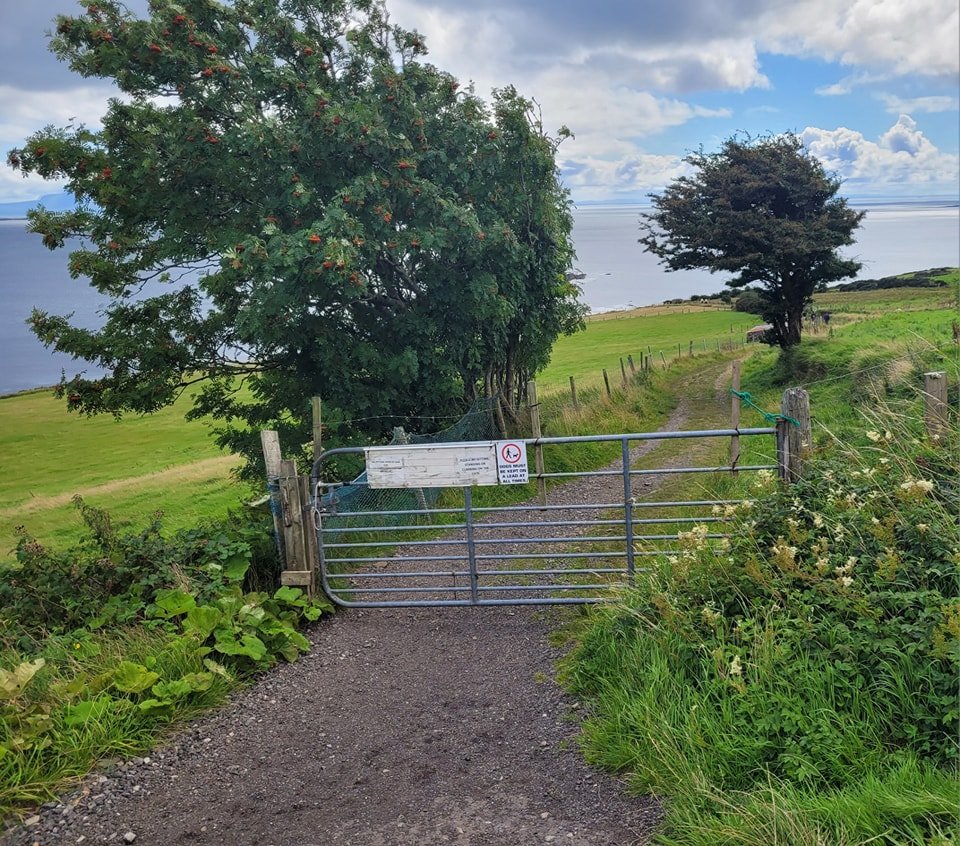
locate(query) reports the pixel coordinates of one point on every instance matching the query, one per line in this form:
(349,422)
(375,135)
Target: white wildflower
(736,668)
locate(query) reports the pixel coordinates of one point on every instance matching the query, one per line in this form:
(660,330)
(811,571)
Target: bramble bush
(112,576)
(817,646)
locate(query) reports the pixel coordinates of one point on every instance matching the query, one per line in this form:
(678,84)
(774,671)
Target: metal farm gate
(571,547)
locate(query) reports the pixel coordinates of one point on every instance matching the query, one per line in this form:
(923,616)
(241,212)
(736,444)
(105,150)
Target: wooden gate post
(297,569)
(935,409)
(799,438)
(537,448)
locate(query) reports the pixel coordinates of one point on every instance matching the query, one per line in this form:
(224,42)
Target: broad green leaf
(87,710)
(171,690)
(248,645)
(235,567)
(171,603)
(299,641)
(133,678)
(219,669)
(202,620)
(156,707)
(13,682)
(290,595)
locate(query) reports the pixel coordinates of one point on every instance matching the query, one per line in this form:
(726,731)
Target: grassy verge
(104,644)
(799,685)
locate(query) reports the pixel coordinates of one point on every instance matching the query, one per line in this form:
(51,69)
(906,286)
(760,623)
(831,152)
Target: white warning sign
(431,465)
(512,463)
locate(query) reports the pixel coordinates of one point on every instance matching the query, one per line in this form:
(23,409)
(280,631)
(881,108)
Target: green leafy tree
(287,201)
(764,210)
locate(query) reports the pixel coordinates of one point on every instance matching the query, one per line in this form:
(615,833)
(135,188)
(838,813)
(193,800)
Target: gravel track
(401,726)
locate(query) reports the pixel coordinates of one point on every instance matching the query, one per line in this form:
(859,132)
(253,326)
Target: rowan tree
(287,201)
(765,210)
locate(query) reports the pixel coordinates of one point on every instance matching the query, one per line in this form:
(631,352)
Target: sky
(871,86)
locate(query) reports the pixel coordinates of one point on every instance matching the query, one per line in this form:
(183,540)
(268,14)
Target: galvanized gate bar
(627,502)
(459,563)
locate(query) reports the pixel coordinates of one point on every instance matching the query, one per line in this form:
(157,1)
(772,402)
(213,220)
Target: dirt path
(402,727)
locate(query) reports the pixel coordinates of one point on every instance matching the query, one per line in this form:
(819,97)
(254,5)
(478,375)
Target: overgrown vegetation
(799,684)
(109,640)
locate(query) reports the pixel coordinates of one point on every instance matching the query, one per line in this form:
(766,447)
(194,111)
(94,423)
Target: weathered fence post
(573,393)
(633,367)
(296,565)
(735,416)
(799,438)
(663,358)
(623,373)
(690,350)
(935,409)
(606,381)
(537,447)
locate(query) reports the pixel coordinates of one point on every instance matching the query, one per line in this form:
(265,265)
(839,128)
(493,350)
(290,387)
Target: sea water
(619,274)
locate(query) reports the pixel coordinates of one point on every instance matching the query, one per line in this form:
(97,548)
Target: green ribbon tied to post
(772,419)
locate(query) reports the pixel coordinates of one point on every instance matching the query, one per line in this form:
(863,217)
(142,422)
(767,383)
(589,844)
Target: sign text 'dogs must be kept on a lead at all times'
(447,465)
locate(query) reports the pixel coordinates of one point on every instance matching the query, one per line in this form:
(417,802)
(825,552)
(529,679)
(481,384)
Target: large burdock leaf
(13,682)
(201,621)
(172,603)
(133,678)
(248,645)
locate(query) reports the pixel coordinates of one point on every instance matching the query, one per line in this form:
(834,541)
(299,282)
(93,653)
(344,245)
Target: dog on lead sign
(512,463)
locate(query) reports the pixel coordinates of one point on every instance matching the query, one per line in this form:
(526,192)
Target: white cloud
(916,105)
(629,176)
(849,83)
(902,155)
(14,188)
(893,36)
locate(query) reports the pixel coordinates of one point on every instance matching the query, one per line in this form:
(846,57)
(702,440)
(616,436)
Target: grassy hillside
(133,466)
(606,339)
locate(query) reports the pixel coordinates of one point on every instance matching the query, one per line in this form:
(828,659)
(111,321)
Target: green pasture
(133,466)
(891,298)
(605,342)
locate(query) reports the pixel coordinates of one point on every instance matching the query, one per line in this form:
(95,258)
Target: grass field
(133,467)
(606,340)
(142,464)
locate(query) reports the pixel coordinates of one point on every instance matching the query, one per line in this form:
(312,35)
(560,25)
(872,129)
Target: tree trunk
(497,409)
(793,326)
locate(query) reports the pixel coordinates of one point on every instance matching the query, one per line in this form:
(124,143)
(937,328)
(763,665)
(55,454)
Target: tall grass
(801,686)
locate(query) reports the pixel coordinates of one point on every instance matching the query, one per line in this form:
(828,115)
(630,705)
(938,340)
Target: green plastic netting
(357,498)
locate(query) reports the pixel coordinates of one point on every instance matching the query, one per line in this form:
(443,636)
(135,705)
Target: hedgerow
(817,647)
